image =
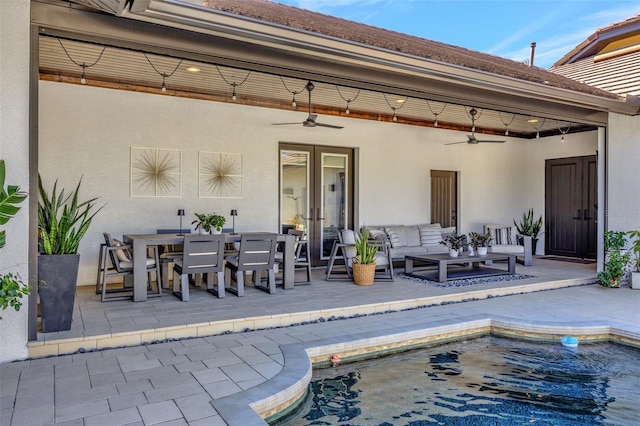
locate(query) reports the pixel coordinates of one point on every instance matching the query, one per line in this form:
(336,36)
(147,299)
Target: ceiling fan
(471,139)
(311,119)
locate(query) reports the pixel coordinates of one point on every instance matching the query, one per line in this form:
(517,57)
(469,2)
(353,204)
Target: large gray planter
(57,276)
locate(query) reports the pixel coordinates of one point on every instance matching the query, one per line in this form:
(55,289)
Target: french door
(571,209)
(316,194)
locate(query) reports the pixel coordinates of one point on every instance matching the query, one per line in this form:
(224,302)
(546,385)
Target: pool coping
(253,406)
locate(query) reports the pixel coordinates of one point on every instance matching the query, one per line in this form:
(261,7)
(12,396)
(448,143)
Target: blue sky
(501,27)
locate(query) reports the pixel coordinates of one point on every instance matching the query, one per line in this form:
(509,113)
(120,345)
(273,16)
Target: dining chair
(301,259)
(116,261)
(202,254)
(256,254)
(169,254)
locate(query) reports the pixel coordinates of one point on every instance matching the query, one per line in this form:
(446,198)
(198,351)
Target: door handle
(318,214)
(310,215)
(577,216)
(586,215)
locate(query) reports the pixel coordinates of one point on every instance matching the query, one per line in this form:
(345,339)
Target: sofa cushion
(400,252)
(430,236)
(507,249)
(397,236)
(413,235)
(437,249)
(348,236)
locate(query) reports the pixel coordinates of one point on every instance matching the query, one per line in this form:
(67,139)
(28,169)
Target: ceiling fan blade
(330,126)
(285,124)
(456,143)
(489,141)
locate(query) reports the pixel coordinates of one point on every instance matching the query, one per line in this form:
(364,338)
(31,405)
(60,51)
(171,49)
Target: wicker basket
(364,274)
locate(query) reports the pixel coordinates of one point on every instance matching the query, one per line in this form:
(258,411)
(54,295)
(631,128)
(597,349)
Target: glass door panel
(294,198)
(333,213)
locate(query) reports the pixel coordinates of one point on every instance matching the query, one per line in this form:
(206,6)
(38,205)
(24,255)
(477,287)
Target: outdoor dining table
(140,243)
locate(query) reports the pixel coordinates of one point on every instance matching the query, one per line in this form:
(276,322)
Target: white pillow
(413,235)
(430,236)
(123,255)
(397,236)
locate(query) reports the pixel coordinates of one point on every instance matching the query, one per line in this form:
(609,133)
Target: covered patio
(103,85)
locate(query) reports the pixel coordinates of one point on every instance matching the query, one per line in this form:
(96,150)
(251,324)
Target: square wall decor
(220,175)
(156,172)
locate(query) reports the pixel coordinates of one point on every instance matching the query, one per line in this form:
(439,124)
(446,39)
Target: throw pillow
(502,235)
(430,236)
(446,232)
(123,255)
(413,235)
(397,236)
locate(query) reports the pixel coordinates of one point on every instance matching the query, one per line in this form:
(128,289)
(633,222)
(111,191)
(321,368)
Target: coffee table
(462,267)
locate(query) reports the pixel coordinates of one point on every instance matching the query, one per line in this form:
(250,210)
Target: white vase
(453,253)
(203,232)
(216,231)
(482,251)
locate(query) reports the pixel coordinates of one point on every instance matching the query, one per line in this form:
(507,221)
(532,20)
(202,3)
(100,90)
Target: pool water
(484,381)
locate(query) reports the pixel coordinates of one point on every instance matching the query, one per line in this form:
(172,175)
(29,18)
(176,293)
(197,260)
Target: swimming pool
(484,381)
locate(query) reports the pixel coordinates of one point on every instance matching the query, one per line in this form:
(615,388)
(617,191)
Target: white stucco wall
(14,149)
(89,131)
(623,186)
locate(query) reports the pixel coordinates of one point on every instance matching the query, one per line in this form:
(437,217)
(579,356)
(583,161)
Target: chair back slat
(203,253)
(257,251)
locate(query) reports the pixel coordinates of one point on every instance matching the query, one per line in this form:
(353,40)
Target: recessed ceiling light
(400,101)
(193,69)
(532,120)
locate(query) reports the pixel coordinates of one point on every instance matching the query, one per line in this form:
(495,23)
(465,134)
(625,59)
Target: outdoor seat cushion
(129,265)
(398,253)
(507,249)
(437,249)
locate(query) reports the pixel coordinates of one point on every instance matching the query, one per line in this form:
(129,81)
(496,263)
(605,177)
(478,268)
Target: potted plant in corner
(62,222)
(209,222)
(615,261)
(480,242)
(635,249)
(12,288)
(454,243)
(529,226)
(364,265)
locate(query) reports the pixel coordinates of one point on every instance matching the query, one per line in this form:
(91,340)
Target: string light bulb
(83,79)
(164,84)
(346,111)
(293,101)
(233,92)
(395,117)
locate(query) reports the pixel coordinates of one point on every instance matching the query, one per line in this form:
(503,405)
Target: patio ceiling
(133,55)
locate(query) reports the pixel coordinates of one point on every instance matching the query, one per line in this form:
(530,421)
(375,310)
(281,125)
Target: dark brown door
(571,186)
(444,198)
(316,194)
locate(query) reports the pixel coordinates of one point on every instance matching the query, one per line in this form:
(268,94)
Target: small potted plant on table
(364,265)
(480,242)
(209,222)
(454,243)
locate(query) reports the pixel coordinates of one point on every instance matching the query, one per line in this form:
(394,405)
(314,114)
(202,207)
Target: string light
(164,75)
(435,114)
(349,100)
(393,108)
(474,116)
(233,84)
(84,66)
(506,125)
(537,128)
(293,92)
(564,132)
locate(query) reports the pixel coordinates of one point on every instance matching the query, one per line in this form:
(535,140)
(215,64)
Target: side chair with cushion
(115,261)
(347,245)
(169,253)
(202,254)
(505,241)
(256,253)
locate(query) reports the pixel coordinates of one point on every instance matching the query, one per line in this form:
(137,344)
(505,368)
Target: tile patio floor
(211,380)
